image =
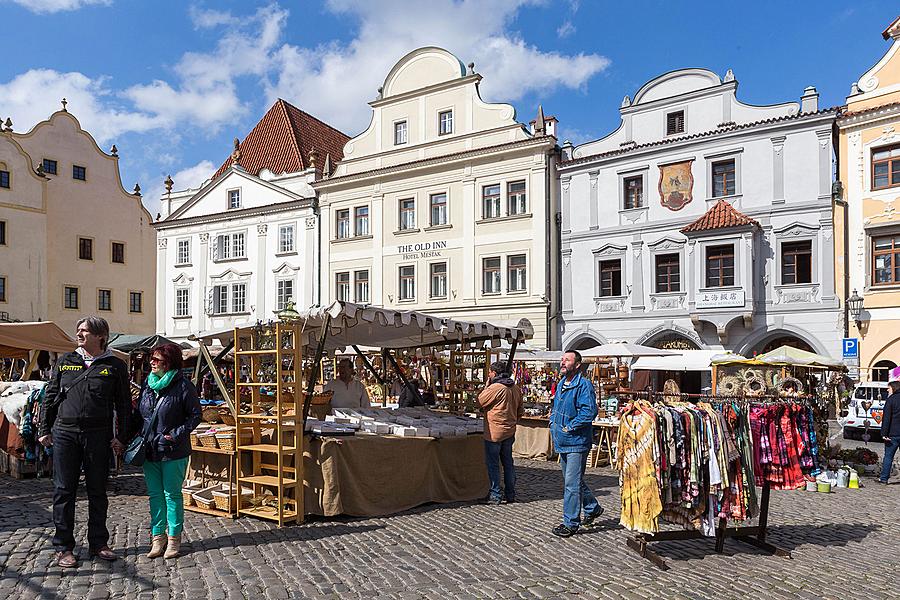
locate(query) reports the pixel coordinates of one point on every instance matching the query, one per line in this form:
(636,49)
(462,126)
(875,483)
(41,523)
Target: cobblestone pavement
(843,544)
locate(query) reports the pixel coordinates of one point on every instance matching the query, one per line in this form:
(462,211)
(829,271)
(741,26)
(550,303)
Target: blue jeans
(496,453)
(890,449)
(576,494)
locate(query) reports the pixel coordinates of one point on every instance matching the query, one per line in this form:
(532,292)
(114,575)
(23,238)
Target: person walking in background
(174,398)
(501,402)
(88,392)
(890,430)
(574,410)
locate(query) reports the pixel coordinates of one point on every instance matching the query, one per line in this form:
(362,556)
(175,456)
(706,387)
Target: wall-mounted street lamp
(855,305)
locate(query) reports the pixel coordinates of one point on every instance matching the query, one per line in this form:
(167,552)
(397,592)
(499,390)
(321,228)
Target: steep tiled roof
(720,216)
(283,139)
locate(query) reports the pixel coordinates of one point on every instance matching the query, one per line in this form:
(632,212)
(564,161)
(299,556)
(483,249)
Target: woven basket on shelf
(211,415)
(225,441)
(204,498)
(208,440)
(226,416)
(187,493)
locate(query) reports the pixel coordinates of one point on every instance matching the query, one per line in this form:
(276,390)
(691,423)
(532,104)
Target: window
(516,199)
(407,214)
(183,255)
(230,246)
(885,167)
(675,122)
(236,292)
(342,286)
(220,299)
(70,297)
(286,238)
(104,299)
(445,122)
(284,293)
(886,259)
(118,252)
(517,273)
(2,233)
(49,166)
(4,179)
(796,262)
(2,289)
(343,224)
(668,273)
(234,199)
(239,297)
(723,178)
(361,220)
(135,302)
(85,249)
(407,283)
(438,209)
(79,173)
(400,130)
(634,192)
(490,201)
(361,281)
(610,278)
(720,266)
(182,302)
(490,269)
(437,276)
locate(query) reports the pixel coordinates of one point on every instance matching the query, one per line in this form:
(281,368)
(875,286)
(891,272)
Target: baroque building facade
(701,222)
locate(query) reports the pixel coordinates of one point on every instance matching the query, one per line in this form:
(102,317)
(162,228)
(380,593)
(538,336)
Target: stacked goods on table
(406,422)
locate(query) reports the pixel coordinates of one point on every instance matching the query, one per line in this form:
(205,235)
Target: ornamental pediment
(230,275)
(182,279)
(285,269)
(610,250)
(666,243)
(796,229)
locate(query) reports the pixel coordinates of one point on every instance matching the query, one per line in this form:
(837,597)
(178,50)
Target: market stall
(690,369)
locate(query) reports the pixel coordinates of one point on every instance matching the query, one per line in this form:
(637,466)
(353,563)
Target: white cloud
(576,136)
(565,30)
(52,6)
(191,177)
(204,18)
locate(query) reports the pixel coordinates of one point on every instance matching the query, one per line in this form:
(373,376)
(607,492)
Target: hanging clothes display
(786,447)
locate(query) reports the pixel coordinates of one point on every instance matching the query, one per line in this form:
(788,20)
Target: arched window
(881,370)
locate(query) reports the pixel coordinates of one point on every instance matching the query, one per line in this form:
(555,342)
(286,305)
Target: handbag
(136,452)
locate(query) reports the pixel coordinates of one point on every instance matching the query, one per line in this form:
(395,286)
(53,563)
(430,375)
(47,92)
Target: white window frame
(720,157)
(182,251)
(521,199)
(431,280)
(445,212)
(281,297)
(499,277)
(231,246)
(411,226)
(401,132)
(360,298)
(442,121)
(287,244)
(230,197)
(496,202)
(182,302)
(357,230)
(400,288)
(347,285)
(521,276)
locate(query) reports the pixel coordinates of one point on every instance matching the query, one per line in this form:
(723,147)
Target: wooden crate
(4,462)
(18,467)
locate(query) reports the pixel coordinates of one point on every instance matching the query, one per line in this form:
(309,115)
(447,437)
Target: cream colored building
(445,204)
(72,240)
(868,255)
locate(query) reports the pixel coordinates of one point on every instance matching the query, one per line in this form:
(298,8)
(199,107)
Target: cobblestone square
(843,546)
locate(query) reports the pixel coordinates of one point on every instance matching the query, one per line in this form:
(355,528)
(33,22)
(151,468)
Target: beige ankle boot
(158,546)
(174,547)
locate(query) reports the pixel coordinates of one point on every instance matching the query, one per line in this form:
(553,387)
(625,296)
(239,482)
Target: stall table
(533,439)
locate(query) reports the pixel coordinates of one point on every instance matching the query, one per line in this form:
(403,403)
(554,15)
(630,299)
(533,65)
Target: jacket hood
(504,379)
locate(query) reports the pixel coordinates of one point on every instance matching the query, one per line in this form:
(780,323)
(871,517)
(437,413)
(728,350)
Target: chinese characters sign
(725,299)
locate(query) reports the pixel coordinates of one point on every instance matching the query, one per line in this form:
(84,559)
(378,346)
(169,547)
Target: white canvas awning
(623,350)
(685,360)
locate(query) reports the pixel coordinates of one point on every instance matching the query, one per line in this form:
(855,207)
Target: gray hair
(97,326)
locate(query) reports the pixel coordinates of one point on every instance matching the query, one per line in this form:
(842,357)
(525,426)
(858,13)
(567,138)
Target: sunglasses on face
(155,359)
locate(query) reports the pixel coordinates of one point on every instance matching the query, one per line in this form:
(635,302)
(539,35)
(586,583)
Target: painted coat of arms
(676,184)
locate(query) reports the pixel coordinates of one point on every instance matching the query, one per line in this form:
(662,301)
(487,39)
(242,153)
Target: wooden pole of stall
(204,351)
(311,383)
(512,354)
(368,365)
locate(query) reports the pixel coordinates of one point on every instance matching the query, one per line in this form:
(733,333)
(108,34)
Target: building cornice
(867,116)
(437,87)
(232,215)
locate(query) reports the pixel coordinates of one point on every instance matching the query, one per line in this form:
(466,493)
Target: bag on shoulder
(136,452)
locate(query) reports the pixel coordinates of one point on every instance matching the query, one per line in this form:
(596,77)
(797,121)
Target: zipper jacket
(574,410)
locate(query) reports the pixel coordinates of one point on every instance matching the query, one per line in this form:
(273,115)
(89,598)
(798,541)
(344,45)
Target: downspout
(837,197)
(548,289)
(317,213)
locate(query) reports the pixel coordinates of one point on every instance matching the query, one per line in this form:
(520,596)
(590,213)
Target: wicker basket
(225,441)
(204,498)
(211,415)
(196,433)
(208,440)
(321,398)
(226,416)
(226,495)
(187,493)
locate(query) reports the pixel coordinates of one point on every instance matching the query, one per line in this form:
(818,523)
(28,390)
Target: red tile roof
(721,216)
(283,139)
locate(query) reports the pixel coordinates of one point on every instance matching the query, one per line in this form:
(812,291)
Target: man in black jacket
(87,394)
(890,430)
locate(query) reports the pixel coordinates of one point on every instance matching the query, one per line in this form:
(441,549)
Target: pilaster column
(778,169)
(595,200)
(824,139)
(203,282)
(261,275)
(565,184)
(637,275)
(162,286)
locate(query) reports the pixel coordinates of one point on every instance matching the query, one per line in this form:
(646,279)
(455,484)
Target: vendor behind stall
(349,392)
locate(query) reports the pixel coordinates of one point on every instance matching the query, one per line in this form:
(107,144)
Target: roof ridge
(295,138)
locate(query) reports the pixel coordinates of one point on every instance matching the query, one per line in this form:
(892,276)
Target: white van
(865,409)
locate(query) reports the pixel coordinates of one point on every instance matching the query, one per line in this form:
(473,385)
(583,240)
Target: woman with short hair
(174,398)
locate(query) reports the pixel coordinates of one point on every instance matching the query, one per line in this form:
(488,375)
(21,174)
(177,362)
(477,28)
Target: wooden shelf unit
(269,422)
(468,374)
(196,452)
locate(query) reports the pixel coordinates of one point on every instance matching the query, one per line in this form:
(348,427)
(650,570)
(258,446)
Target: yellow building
(73,241)
(868,212)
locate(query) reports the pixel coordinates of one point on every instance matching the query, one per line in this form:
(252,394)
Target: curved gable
(675,83)
(422,68)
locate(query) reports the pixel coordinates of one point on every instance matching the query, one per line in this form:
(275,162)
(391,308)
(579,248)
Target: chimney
(567,150)
(809,101)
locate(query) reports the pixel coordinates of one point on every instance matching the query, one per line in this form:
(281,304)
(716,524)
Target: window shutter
(210,297)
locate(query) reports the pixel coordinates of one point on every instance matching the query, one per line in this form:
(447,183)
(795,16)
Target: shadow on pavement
(298,533)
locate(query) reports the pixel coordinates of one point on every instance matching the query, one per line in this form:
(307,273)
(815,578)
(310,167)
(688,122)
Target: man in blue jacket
(574,410)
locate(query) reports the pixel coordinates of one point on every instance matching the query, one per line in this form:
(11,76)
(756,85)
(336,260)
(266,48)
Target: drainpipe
(550,250)
(316,212)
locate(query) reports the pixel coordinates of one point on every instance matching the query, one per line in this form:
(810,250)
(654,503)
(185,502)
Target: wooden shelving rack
(468,374)
(196,453)
(272,355)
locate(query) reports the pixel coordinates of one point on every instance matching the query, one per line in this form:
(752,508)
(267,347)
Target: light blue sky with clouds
(172,82)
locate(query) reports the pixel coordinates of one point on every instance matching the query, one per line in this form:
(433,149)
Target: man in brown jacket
(501,402)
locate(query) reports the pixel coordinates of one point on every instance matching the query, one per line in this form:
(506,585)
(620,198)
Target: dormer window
(445,122)
(675,122)
(400,133)
(234,199)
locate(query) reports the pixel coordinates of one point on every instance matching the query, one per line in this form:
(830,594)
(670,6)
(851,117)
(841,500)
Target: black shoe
(563,531)
(589,519)
(510,500)
(490,500)
(883,481)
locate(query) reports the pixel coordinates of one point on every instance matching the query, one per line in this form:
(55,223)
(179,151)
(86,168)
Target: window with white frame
(490,201)
(517,273)
(342,286)
(182,302)
(407,288)
(230,246)
(239,297)
(286,238)
(723,178)
(407,214)
(361,220)
(229,298)
(284,292)
(342,224)
(183,255)
(400,133)
(361,282)
(234,199)
(438,280)
(445,122)
(633,192)
(516,198)
(490,269)
(438,209)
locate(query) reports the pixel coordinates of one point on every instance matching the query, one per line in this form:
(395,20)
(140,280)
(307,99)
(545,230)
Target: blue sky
(172,82)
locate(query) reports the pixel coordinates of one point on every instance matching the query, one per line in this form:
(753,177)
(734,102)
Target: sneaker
(491,500)
(563,531)
(589,519)
(882,481)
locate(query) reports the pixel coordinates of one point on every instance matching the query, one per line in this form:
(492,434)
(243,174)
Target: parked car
(864,411)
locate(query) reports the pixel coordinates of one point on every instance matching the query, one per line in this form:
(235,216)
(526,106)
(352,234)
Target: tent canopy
(127,343)
(784,356)
(685,360)
(16,339)
(623,350)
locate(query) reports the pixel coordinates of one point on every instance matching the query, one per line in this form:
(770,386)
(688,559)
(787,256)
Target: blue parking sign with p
(851,348)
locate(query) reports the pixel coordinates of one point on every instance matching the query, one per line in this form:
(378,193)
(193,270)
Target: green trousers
(164,480)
